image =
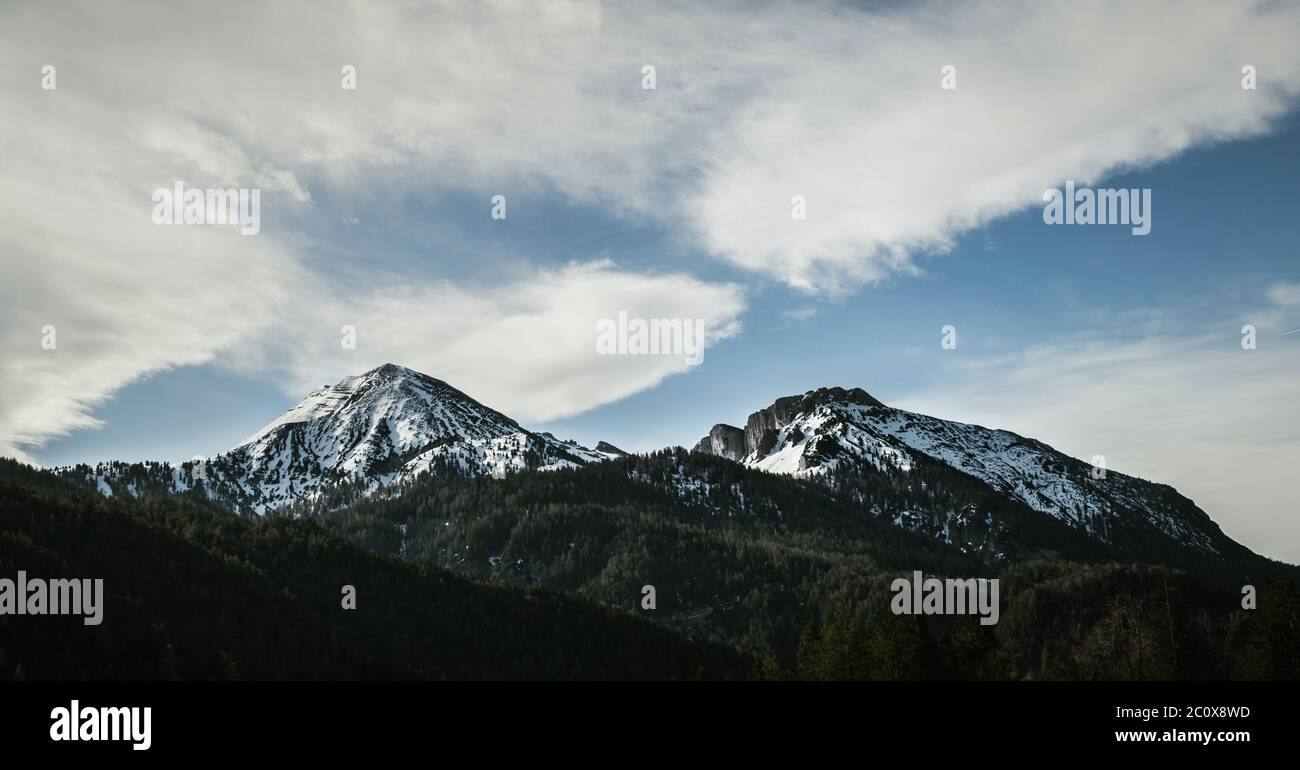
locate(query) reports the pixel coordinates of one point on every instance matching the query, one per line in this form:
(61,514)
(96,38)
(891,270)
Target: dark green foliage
(1066,621)
(935,498)
(748,558)
(193,592)
(755,559)
(835,649)
(972,651)
(883,646)
(1142,622)
(1275,653)
(755,574)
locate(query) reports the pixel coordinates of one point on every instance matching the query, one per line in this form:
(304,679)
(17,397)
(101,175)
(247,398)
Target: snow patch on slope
(827,436)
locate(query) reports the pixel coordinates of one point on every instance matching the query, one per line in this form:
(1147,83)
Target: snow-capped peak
(386,425)
(833,430)
(415,408)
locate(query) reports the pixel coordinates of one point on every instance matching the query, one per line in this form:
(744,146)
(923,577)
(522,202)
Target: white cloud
(799,313)
(125,297)
(1285,295)
(237,96)
(853,118)
(754,104)
(526,347)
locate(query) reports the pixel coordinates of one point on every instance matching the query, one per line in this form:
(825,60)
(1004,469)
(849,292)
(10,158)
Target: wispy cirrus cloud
(754,104)
(525,346)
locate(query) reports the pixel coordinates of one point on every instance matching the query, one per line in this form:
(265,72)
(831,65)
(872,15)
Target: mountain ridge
(373,430)
(830,432)
(384,428)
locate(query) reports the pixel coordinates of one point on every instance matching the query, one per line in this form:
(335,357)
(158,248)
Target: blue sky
(1224,230)
(924,210)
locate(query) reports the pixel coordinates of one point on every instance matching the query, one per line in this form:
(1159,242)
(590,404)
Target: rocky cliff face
(724,441)
(606,448)
(762,428)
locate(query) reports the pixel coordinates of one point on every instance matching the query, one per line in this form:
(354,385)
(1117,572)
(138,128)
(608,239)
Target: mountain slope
(989,493)
(833,434)
(365,432)
(747,557)
(753,559)
(754,537)
(192,592)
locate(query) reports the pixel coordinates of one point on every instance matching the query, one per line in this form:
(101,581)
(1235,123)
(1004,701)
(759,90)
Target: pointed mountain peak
(394,374)
(393,397)
(393,371)
(384,425)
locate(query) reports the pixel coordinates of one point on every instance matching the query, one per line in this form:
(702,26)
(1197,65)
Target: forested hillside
(762,561)
(542,575)
(194,592)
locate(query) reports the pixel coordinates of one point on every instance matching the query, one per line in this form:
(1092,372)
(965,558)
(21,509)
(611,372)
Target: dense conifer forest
(194,592)
(542,575)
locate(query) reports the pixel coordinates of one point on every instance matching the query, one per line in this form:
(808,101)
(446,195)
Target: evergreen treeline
(934,498)
(753,573)
(747,558)
(760,561)
(1065,621)
(194,592)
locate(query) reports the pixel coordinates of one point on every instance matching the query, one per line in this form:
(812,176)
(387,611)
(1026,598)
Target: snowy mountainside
(990,492)
(369,431)
(833,431)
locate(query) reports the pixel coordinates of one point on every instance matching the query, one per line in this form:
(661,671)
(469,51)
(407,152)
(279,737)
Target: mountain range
(835,432)
(753,539)
(376,432)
